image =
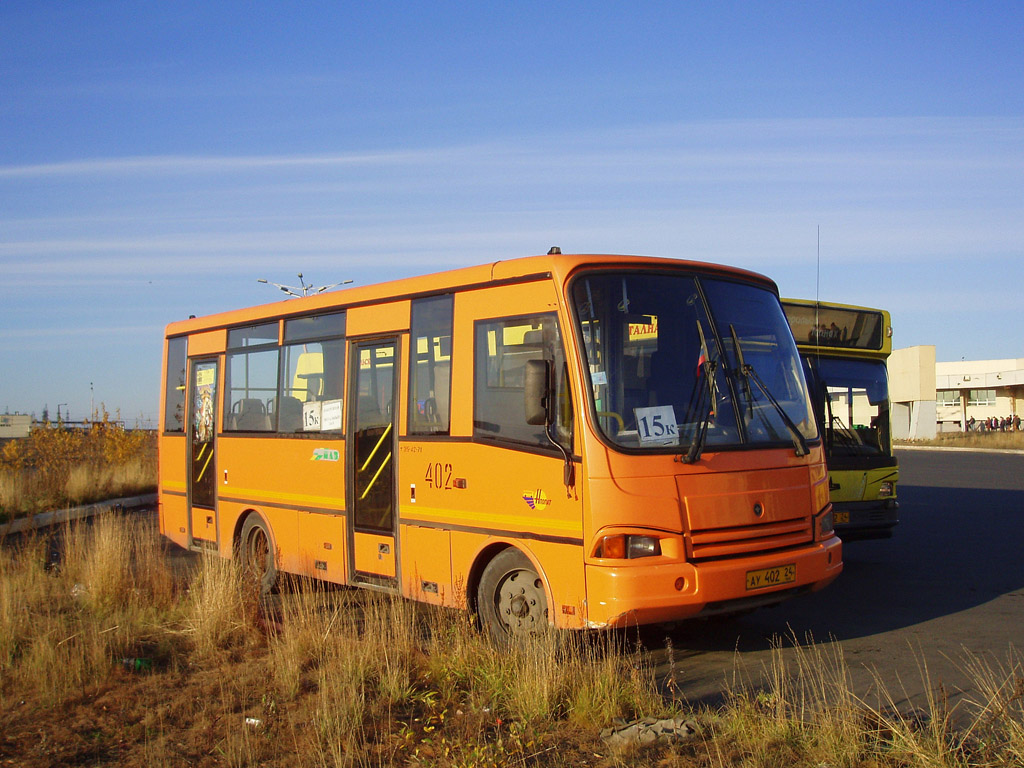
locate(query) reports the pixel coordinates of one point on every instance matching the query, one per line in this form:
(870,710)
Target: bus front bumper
(639,593)
(865,519)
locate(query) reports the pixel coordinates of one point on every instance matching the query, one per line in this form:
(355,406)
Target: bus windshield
(853,396)
(675,358)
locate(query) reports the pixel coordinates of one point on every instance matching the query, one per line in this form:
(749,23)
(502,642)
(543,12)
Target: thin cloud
(26,334)
(180,164)
(742,144)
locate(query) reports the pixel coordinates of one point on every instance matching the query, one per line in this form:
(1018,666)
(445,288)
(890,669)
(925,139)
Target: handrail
(374,478)
(203,471)
(613,415)
(375,449)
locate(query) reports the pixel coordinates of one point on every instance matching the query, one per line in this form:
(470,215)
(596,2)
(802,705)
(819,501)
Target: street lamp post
(306,290)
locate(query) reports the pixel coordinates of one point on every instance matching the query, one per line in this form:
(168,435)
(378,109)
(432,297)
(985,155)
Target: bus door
(202,449)
(370,462)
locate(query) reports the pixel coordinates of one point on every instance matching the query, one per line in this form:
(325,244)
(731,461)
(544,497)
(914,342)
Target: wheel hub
(520,607)
(520,601)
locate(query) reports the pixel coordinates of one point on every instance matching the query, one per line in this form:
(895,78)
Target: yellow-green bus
(844,349)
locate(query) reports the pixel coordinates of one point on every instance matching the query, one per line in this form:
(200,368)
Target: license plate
(771,577)
(840,517)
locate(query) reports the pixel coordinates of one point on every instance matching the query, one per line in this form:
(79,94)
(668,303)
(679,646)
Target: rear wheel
(511,600)
(257,553)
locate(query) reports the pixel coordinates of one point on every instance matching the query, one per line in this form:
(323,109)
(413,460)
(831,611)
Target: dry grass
(56,467)
(334,677)
(991,440)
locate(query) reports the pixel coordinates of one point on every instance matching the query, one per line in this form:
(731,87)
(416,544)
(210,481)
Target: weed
(55,466)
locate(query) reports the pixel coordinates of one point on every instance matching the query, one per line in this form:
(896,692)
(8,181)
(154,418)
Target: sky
(156,159)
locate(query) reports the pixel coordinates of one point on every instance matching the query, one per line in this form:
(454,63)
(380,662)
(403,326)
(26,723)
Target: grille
(717,543)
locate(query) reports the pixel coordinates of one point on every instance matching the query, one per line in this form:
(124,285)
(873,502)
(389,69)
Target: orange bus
(565,440)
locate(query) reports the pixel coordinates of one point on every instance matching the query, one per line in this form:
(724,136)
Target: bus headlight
(885,490)
(627,546)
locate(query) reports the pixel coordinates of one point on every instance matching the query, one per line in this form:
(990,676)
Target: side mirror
(537,392)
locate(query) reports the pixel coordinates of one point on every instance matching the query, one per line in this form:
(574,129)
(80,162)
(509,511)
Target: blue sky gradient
(157,160)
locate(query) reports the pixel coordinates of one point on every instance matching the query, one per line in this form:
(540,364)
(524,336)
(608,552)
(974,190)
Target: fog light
(680,584)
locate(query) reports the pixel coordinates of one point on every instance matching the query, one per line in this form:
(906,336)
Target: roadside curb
(952,449)
(57,516)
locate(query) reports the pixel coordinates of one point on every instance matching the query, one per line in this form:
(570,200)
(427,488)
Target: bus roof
(558,266)
(839,328)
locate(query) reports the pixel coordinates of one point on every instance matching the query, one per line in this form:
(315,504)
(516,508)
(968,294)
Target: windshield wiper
(749,374)
(742,370)
(707,367)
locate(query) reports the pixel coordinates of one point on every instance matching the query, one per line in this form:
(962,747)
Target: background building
(14,425)
(930,397)
(978,389)
(912,390)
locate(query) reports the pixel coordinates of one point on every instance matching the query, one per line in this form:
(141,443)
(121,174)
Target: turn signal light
(627,547)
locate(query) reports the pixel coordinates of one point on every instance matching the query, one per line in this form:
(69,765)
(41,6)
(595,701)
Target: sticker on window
(657,425)
(311,416)
(600,378)
(330,415)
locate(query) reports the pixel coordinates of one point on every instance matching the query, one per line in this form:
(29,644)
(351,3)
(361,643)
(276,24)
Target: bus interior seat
(249,415)
(289,415)
(533,338)
(309,375)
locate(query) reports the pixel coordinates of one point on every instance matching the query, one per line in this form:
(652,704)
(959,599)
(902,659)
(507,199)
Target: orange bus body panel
(209,343)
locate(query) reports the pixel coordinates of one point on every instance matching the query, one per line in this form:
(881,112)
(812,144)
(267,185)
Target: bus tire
(257,550)
(511,600)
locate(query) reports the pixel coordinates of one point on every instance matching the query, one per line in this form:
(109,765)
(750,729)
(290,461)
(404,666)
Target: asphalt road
(909,612)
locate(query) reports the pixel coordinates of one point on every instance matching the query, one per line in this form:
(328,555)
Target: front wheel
(510,598)
(257,553)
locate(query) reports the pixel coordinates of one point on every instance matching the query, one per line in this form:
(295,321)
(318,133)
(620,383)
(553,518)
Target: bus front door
(372,502)
(202,445)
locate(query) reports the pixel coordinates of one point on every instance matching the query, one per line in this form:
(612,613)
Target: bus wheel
(510,599)
(258,554)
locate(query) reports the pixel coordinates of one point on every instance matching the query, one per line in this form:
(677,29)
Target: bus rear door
(202,450)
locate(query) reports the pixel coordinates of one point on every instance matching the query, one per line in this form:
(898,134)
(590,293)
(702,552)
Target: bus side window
(312,375)
(252,385)
(174,385)
(502,349)
(311,372)
(430,365)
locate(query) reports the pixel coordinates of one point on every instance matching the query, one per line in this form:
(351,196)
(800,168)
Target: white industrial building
(929,397)
(14,425)
(978,389)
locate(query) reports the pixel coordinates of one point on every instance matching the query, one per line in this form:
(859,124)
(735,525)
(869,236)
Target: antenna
(817,298)
(817,274)
(306,289)
(817,282)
